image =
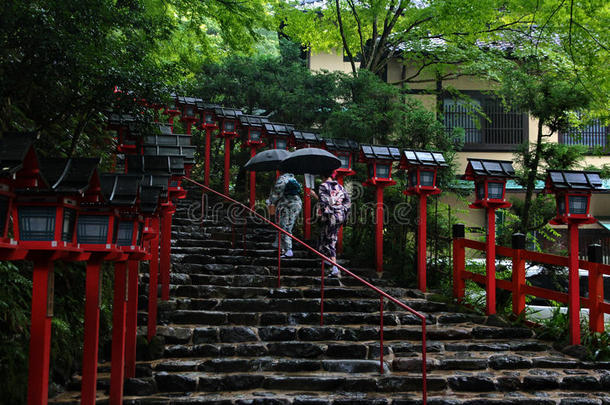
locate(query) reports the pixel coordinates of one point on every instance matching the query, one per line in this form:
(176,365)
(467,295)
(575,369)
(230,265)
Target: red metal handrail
(382,294)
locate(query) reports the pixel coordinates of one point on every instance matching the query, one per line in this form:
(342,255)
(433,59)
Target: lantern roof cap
(307,137)
(341,144)
(153,164)
(149,198)
(68,175)
(157,180)
(14,147)
(231,113)
(253,120)
(488,168)
(277,129)
(423,158)
(380,152)
(188,100)
(573,180)
(120,189)
(168,140)
(115,118)
(207,106)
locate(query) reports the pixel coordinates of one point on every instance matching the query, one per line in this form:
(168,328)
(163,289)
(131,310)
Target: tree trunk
(440,105)
(531,181)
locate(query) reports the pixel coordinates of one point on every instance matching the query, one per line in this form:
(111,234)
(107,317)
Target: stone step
(141,386)
(300,305)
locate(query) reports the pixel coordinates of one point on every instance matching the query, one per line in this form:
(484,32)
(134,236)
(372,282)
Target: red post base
(421,244)
(132,319)
(206,162)
(153,282)
(40,340)
(490,263)
(92,331)
(574,287)
(119,306)
(166,245)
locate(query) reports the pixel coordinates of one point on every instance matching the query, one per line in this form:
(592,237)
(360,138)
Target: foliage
(556,326)
(60,60)
(277,85)
(597,344)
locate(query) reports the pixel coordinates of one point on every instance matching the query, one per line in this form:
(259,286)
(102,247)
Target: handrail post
(322,296)
(424,369)
(518,244)
(459,261)
(245,230)
(381,335)
(596,289)
(279,256)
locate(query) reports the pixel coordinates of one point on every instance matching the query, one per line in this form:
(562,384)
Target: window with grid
(485,122)
(593,135)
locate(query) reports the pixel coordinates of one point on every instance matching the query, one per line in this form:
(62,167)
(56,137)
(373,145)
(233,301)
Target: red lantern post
(572,191)
(253,127)
(379,160)
(422,167)
(171,110)
(344,149)
(277,136)
(188,107)
(44,221)
(209,124)
(490,191)
(229,120)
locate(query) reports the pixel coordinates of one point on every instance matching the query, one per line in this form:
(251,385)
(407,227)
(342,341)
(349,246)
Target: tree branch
(359,24)
(342,32)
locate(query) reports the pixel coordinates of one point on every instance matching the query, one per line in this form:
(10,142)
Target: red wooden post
(307,214)
(189,124)
(574,286)
(459,261)
(206,163)
(490,263)
(170,121)
(132,319)
(117,370)
(252,181)
(92,331)
(279,257)
(518,276)
(40,340)
(596,290)
(166,246)
(153,289)
(379,229)
(421,244)
(227,164)
(381,334)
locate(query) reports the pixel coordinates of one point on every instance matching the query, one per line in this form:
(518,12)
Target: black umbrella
(267,160)
(310,160)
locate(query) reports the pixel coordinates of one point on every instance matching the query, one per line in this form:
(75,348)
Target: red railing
(343,270)
(594,302)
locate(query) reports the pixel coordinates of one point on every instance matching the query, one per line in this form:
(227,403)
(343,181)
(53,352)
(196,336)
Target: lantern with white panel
(278,135)
(379,160)
(422,168)
(490,178)
(573,191)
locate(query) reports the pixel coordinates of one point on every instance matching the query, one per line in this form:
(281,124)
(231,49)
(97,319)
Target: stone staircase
(230,336)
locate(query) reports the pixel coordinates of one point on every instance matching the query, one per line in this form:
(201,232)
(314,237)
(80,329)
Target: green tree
(549,95)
